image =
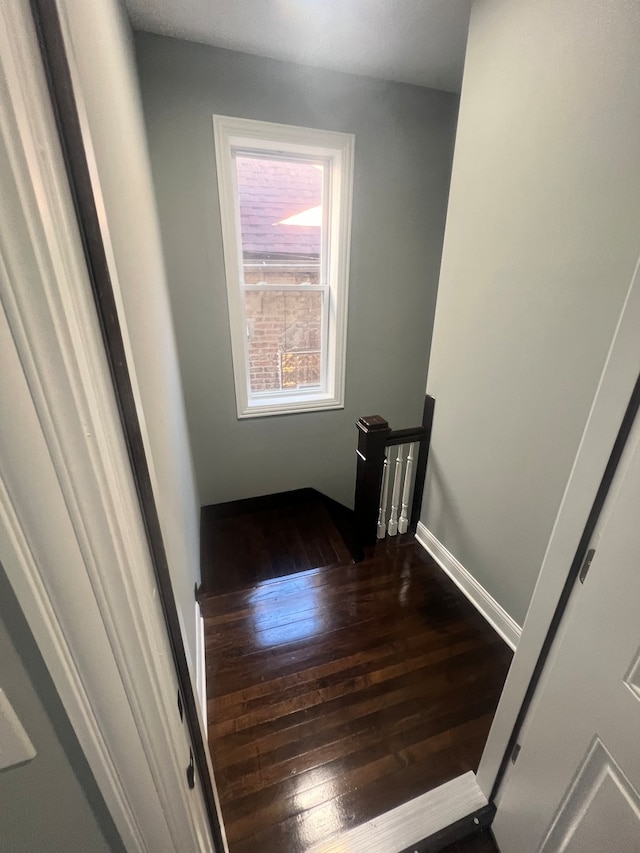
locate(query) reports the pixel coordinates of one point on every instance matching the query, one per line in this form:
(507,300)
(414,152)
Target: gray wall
(52,803)
(404,137)
(543,233)
(103,46)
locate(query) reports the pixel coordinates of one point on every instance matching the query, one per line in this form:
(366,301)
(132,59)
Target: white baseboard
(485,603)
(201,669)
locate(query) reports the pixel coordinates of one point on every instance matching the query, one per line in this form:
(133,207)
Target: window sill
(289,404)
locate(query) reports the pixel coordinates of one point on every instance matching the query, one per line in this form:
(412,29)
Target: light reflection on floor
(341,692)
(316,787)
(277,621)
(405,585)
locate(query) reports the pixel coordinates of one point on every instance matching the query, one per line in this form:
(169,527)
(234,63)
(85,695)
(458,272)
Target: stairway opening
(336,690)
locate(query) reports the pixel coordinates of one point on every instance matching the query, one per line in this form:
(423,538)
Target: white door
(575,786)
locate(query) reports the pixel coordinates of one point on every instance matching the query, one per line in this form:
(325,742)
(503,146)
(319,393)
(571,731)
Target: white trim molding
(238,136)
(482,600)
(72,537)
(201,669)
(412,821)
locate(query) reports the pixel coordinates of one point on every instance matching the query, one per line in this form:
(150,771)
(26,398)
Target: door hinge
(515,753)
(191,772)
(586,564)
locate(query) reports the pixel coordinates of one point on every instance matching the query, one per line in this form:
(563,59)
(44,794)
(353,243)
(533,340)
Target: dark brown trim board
(51,40)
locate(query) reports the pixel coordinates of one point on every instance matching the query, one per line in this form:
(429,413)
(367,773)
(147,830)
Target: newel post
(373,432)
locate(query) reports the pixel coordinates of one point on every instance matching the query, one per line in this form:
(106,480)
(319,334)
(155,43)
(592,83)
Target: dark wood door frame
(56,65)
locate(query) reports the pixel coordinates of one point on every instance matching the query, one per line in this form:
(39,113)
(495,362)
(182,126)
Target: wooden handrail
(405,436)
(374,436)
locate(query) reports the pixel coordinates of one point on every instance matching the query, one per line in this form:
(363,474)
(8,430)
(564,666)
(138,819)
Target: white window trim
(236,133)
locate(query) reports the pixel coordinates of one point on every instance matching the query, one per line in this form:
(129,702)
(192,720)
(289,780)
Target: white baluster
(395,494)
(403,524)
(382,511)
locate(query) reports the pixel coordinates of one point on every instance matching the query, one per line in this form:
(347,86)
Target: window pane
(285,334)
(280,219)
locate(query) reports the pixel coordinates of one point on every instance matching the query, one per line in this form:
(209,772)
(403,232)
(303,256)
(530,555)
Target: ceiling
(410,41)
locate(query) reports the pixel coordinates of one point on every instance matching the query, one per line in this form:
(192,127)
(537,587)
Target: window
(285,203)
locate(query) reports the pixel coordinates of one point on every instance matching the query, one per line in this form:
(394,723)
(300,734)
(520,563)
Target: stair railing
(387,478)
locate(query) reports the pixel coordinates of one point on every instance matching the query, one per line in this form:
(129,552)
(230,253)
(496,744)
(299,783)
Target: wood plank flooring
(338,693)
(248,541)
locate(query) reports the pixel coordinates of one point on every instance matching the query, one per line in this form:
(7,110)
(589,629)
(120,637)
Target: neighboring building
(281,226)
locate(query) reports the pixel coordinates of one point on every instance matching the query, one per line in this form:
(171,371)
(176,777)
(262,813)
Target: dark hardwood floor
(245,542)
(340,692)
